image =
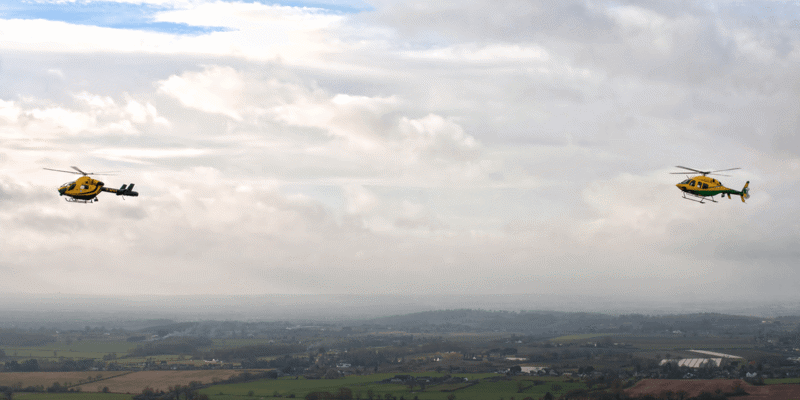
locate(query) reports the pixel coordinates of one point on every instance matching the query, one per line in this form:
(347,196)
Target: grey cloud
(497,20)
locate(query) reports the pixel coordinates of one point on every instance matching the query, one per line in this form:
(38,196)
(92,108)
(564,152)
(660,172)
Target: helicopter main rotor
(704,173)
(80,172)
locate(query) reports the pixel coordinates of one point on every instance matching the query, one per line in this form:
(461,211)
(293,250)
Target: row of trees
(64,365)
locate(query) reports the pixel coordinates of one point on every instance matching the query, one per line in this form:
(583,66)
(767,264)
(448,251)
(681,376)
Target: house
(531,370)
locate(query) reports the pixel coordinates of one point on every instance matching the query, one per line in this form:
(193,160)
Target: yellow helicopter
(703,187)
(85,189)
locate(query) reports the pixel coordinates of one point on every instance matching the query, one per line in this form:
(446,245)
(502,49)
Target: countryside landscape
(447,354)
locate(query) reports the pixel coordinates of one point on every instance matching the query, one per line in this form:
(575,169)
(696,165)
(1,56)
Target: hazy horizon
(26,311)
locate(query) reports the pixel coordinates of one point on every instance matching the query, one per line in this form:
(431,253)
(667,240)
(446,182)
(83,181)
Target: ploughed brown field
(134,382)
(47,379)
(693,388)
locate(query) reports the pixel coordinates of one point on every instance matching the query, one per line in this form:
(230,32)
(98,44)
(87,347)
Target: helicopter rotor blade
(59,170)
(719,175)
(729,169)
(79,170)
(692,169)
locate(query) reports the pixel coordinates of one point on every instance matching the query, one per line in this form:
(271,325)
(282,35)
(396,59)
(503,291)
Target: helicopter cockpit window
(691,183)
(685,182)
(71,187)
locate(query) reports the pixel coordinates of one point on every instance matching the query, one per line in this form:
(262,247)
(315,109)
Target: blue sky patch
(141,16)
(103,14)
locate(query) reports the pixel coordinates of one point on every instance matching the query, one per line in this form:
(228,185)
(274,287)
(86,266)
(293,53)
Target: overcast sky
(408,147)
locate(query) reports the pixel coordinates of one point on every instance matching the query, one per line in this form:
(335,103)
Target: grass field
(485,389)
(81,349)
(582,336)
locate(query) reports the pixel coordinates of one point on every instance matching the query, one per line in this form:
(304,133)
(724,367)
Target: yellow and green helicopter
(702,187)
(85,189)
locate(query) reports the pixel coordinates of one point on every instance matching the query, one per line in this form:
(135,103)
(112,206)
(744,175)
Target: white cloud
(99,115)
(215,90)
(359,200)
(495,53)
(9,111)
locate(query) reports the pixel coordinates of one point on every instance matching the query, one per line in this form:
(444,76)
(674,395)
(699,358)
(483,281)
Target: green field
(80,349)
(581,336)
(361,385)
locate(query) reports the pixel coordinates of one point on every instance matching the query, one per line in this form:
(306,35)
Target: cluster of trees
(64,365)
(54,388)
(343,394)
(31,365)
(178,392)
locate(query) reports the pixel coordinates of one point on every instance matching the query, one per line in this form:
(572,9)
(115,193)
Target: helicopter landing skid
(702,198)
(71,200)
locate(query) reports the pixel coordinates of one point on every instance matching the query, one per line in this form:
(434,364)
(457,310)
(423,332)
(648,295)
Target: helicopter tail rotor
(124,190)
(127,190)
(745,191)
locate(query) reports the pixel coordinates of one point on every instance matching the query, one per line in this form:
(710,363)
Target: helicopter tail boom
(125,190)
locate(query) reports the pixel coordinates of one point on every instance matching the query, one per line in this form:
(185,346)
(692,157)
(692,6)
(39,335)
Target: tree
(344,394)
(332,374)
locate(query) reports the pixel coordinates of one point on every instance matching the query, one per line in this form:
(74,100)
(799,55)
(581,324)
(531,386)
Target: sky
(401,147)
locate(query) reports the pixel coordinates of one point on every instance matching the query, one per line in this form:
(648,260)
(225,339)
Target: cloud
(215,90)
(452,146)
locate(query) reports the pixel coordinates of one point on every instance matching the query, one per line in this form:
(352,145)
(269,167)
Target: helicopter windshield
(685,182)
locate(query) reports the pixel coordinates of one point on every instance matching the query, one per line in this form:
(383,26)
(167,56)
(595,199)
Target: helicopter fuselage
(83,188)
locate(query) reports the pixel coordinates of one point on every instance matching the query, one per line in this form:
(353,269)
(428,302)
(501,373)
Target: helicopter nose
(62,190)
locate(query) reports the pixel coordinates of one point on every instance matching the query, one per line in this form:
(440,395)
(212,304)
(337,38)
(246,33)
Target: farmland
(474,355)
(134,382)
(25,379)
